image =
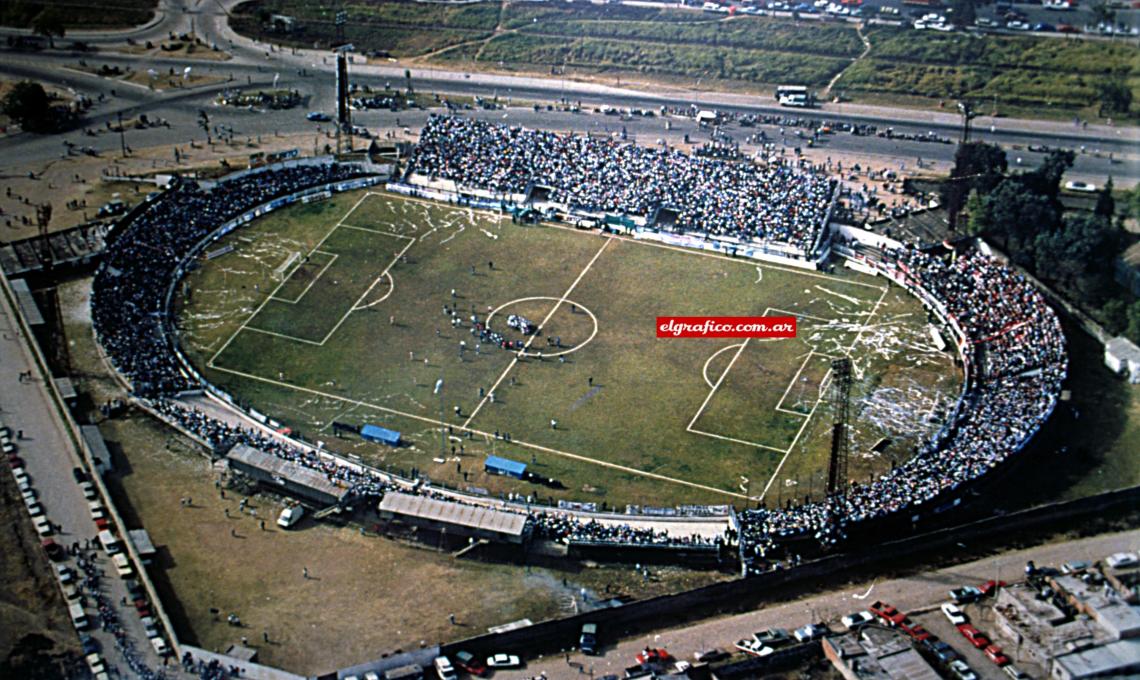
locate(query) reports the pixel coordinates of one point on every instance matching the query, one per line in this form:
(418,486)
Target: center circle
(562,303)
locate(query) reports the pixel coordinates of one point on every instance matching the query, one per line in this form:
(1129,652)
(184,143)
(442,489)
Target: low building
(381,435)
(875,653)
(1119,659)
(456,519)
(1118,618)
(1122,356)
(285,476)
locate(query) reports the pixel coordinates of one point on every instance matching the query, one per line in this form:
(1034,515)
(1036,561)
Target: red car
(102,523)
(915,630)
(994,653)
(468,662)
(887,613)
(648,655)
(976,637)
(55,551)
(15,462)
(990,587)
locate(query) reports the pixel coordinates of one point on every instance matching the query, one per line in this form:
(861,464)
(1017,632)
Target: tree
(27,104)
(1103,14)
(1046,179)
(977,167)
(963,13)
(49,23)
(1014,216)
(1115,96)
(408,78)
(1105,203)
(1074,255)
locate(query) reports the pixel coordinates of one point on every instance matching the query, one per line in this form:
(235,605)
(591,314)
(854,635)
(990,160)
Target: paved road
(917,591)
(49,458)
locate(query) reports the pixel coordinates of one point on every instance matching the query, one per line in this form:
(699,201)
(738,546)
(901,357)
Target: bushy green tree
(28,104)
(1076,254)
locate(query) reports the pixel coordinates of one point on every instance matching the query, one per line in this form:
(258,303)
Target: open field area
(104,15)
(1018,74)
(356,333)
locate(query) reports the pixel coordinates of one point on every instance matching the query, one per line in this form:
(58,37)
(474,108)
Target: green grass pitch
(356,332)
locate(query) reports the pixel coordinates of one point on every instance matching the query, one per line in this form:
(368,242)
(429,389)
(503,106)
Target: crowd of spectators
(775,201)
(128,296)
(1015,339)
(1018,362)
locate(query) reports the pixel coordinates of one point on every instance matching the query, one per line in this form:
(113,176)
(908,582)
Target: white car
(1122,559)
(1083,187)
(954,614)
(750,646)
(503,661)
(88,490)
(857,620)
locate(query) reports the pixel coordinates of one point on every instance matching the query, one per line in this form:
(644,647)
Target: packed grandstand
(1011,339)
(776,201)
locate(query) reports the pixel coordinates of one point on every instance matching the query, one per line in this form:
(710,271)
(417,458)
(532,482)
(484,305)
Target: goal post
(286,267)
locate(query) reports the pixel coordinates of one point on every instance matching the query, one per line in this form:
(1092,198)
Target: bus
(794,95)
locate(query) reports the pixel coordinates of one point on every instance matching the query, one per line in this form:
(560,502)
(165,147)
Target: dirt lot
(36,637)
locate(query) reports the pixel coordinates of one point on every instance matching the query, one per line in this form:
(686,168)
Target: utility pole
(122,134)
(968,114)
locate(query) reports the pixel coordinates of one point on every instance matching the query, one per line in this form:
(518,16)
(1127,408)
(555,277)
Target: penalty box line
(315,278)
(273,294)
(531,339)
(486,435)
(823,384)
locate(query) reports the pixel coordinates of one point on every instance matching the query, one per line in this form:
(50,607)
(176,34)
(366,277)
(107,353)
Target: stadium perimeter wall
(745,594)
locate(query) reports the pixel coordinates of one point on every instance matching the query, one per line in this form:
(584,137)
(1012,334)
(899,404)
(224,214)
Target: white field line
(283,336)
(655,244)
(273,294)
(488,435)
(375,231)
(391,289)
(705,368)
(787,453)
(315,278)
(532,338)
(737,441)
(822,391)
(356,305)
(719,380)
(791,384)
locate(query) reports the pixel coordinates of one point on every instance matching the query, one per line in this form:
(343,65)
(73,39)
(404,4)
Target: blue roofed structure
(375,433)
(503,466)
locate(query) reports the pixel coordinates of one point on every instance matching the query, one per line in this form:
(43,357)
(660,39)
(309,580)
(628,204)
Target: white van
(78,616)
(290,516)
(444,669)
(43,526)
(122,565)
(110,542)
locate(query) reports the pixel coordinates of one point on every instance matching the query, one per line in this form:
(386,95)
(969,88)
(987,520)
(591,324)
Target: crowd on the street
(1016,351)
(775,201)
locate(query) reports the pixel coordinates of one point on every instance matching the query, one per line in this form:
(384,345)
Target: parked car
(961,671)
(588,641)
(943,651)
(468,662)
(504,661)
(974,636)
(79,475)
(995,654)
(990,587)
(773,637)
(857,620)
(812,631)
(710,655)
(650,655)
(318,117)
(1082,187)
(965,595)
(55,551)
(954,614)
(1121,559)
(751,646)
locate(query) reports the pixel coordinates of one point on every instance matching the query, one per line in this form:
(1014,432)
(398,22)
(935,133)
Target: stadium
(493,301)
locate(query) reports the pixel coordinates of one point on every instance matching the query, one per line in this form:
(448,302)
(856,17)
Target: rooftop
(472,516)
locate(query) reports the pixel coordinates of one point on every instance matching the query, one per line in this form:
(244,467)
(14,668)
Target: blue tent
(375,433)
(502,466)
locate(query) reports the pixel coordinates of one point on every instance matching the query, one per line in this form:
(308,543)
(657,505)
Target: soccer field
(354,330)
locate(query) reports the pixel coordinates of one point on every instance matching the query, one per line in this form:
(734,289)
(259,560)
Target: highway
(311,72)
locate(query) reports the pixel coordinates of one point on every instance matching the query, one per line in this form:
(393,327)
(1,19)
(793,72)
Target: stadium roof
(285,470)
(471,516)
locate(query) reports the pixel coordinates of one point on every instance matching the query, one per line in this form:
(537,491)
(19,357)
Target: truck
(588,641)
(290,516)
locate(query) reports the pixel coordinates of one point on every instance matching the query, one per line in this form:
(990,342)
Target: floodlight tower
(343,111)
(968,114)
(840,402)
